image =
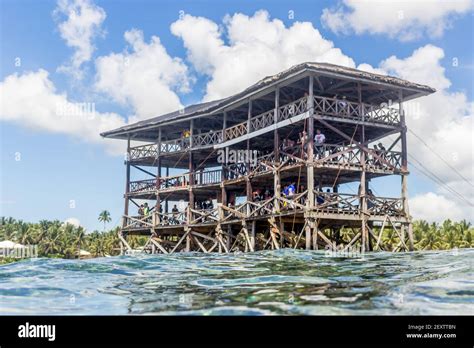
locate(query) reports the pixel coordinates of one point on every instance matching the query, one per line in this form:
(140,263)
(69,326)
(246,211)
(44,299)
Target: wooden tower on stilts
(244,173)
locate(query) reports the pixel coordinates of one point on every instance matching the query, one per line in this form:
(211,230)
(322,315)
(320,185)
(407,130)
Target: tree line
(63,240)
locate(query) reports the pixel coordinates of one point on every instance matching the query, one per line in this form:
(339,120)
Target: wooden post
(276,151)
(310,146)
(363,182)
(308,235)
(248,184)
(315,230)
(158,173)
(191,168)
(188,243)
(252,234)
(127,181)
(166,200)
(229,233)
(224,165)
(403,137)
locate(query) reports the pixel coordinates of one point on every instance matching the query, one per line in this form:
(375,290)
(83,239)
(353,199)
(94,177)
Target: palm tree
(104,216)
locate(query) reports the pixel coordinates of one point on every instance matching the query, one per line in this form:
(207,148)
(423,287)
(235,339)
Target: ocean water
(282,282)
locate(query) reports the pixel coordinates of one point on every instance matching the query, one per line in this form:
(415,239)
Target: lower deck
(288,228)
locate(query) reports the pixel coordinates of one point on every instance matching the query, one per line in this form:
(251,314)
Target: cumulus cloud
(257,47)
(444,120)
(144,77)
(73,221)
(440,136)
(434,207)
(405,20)
(31,100)
(81,25)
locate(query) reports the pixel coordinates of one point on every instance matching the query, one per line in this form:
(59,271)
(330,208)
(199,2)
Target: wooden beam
(127,178)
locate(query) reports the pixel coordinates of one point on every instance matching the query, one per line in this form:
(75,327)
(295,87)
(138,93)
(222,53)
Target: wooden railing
(263,120)
(352,110)
(325,203)
(201,216)
(208,177)
(380,114)
(394,158)
(235,170)
(142,186)
(237,212)
(340,203)
(170,219)
(207,139)
(138,222)
(175,145)
(143,151)
(336,203)
(384,206)
(235,131)
(261,208)
(338,155)
(294,108)
(173,182)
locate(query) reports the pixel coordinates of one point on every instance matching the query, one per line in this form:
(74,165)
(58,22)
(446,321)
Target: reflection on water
(291,282)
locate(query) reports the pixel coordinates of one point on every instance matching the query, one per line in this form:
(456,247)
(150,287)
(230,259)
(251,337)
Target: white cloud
(145,77)
(82,24)
(444,120)
(73,221)
(405,20)
(257,47)
(445,123)
(31,100)
(434,207)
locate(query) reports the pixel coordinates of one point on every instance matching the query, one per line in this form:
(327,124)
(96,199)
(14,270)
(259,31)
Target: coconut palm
(104,216)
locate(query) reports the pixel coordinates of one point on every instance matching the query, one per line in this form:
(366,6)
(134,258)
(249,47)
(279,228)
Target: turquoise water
(289,282)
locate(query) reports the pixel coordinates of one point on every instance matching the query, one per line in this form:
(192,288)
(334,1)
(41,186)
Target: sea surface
(281,282)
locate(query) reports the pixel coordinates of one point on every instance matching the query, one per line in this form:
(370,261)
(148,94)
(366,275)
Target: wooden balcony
(328,205)
(327,156)
(338,109)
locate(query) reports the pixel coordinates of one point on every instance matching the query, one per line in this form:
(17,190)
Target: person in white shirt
(319,140)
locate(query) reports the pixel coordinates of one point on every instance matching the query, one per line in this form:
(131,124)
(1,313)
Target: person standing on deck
(175,213)
(382,151)
(146,209)
(319,140)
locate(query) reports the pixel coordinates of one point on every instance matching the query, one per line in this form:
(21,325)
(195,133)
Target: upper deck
(341,94)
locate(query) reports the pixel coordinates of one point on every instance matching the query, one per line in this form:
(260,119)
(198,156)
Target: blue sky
(43,169)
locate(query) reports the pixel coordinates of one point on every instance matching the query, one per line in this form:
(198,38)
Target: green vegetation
(57,239)
(448,235)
